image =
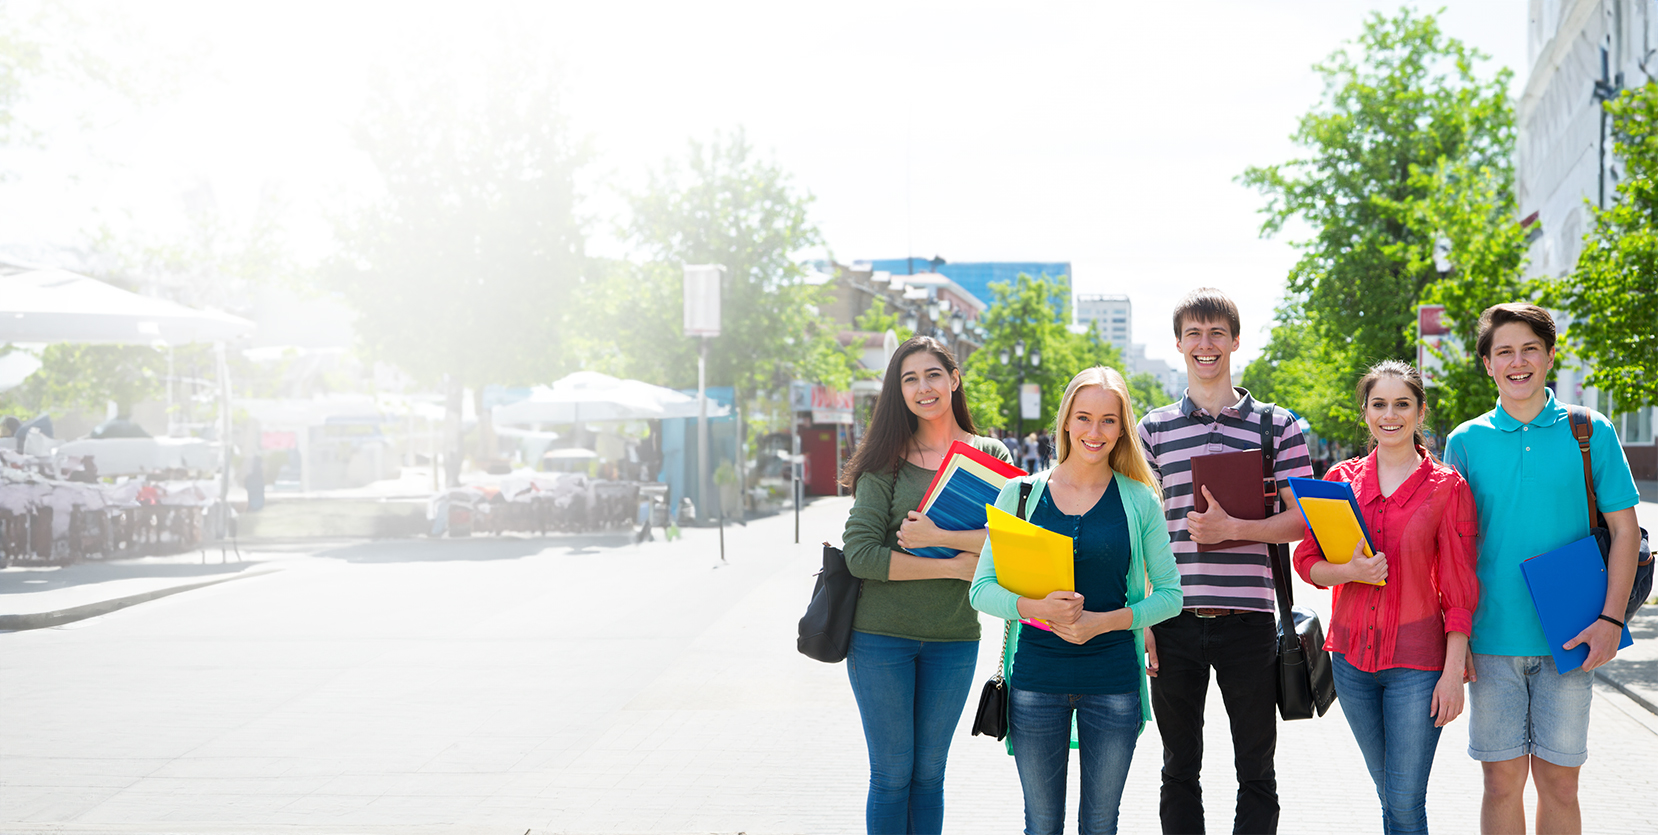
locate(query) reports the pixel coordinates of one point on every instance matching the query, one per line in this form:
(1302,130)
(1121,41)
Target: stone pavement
(565,687)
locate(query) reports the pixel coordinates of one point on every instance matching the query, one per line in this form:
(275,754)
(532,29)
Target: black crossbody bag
(991,717)
(1306,682)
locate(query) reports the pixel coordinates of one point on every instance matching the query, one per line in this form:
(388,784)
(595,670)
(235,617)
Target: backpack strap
(1024,496)
(1583,430)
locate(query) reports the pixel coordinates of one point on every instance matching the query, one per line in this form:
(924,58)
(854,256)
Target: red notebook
(996,465)
(1235,479)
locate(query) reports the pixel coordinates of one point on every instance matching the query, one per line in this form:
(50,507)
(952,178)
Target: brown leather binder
(1235,478)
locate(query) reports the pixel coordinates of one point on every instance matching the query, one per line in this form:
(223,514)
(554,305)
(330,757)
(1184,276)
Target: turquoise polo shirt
(1528,488)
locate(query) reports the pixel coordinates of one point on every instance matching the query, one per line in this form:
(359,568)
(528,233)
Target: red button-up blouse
(1427,530)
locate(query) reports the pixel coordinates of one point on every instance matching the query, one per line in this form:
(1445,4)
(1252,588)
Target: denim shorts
(1521,705)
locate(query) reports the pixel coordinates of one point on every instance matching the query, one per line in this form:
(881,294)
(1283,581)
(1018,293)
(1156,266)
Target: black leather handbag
(991,717)
(1582,430)
(826,628)
(1306,683)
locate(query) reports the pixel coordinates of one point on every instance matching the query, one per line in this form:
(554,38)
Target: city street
(565,686)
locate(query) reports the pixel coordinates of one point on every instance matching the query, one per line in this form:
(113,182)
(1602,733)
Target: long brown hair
(1407,374)
(893,424)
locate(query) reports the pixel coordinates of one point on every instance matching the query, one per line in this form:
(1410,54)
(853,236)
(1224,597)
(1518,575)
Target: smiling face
(927,386)
(1094,425)
(1208,348)
(1519,362)
(1392,412)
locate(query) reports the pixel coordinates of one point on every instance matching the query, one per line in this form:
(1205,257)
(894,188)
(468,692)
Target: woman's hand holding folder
(1061,607)
(1358,569)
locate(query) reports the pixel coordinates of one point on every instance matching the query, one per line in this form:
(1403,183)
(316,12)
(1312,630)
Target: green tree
(723,205)
(1023,311)
(1473,209)
(1612,293)
(1403,99)
(462,268)
(1294,371)
(1147,391)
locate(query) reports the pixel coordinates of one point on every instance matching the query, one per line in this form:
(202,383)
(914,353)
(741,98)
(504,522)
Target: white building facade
(1581,52)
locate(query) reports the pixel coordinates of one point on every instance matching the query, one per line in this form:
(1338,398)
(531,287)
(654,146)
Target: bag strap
(1007,627)
(1583,430)
(1269,496)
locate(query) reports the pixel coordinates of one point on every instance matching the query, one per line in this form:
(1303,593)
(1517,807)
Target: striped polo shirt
(1173,435)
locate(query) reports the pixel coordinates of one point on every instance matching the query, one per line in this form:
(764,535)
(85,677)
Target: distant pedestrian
(1045,448)
(915,639)
(1032,456)
(255,484)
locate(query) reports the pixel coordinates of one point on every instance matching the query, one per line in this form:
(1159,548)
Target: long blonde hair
(1127,456)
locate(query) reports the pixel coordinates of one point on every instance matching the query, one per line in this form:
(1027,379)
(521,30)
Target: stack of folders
(1332,511)
(967,480)
(1568,587)
(1031,561)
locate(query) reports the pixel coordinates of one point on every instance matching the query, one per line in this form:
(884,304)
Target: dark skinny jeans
(1242,649)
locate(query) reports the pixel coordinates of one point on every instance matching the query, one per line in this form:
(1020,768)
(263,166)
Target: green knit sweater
(921,610)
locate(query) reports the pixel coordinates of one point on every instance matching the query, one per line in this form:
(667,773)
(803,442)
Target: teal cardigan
(1151,556)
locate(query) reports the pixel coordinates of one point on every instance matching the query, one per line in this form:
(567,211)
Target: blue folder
(959,508)
(1317,488)
(1568,587)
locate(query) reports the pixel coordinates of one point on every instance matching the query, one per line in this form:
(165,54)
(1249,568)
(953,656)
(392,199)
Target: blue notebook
(967,480)
(1568,587)
(1318,488)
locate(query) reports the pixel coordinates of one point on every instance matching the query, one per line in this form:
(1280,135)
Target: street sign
(1030,401)
(702,299)
(800,396)
(1433,334)
(830,406)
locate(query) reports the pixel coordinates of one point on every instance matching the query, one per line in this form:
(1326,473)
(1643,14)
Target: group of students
(1441,603)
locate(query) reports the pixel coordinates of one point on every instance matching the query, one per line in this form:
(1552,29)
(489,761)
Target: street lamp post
(1019,364)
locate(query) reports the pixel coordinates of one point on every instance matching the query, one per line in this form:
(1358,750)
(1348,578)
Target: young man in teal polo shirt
(1527,477)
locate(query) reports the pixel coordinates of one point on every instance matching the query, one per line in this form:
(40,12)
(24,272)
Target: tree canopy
(1409,144)
(464,264)
(1612,294)
(720,204)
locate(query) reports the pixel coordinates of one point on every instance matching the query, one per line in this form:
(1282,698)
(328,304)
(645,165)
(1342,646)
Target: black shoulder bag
(826,628)
(1582,430)
(991,718)
(1306,684)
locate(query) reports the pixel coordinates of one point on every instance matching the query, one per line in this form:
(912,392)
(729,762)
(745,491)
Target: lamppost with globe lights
(1019,363)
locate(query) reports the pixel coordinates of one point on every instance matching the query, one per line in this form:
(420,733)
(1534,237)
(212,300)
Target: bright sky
(1105,134)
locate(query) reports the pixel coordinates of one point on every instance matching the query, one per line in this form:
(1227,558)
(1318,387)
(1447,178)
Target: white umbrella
(591,396)
(52,305)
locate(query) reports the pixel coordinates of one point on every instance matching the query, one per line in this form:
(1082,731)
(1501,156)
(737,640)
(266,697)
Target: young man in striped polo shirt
(1228,622)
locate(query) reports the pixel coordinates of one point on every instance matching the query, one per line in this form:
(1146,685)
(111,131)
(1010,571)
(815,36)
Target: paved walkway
(564,687)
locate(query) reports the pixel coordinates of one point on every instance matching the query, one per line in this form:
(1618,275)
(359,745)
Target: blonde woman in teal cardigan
(1092,663)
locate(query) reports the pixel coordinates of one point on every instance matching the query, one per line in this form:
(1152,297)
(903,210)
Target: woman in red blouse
(1399,632)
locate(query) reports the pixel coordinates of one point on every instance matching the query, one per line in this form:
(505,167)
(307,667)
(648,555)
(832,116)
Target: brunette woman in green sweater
(915,639)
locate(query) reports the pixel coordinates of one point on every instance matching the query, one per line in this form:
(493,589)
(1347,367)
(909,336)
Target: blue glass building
(976,276)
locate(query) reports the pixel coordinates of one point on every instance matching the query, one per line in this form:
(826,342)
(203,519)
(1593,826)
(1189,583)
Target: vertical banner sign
(702,299)
(830,406)
(1030,401)
(1432,334)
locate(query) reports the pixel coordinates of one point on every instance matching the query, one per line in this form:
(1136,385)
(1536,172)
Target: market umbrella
(591,396)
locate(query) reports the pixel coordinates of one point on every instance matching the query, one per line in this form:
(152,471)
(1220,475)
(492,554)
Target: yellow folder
(1031,561)
(1336,529)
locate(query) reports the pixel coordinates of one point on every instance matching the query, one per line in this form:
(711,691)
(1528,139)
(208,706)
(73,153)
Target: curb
(1633,696)
(59,617)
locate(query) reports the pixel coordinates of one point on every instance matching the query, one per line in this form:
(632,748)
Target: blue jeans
(910,695)
(1039,725)
(1388,711)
